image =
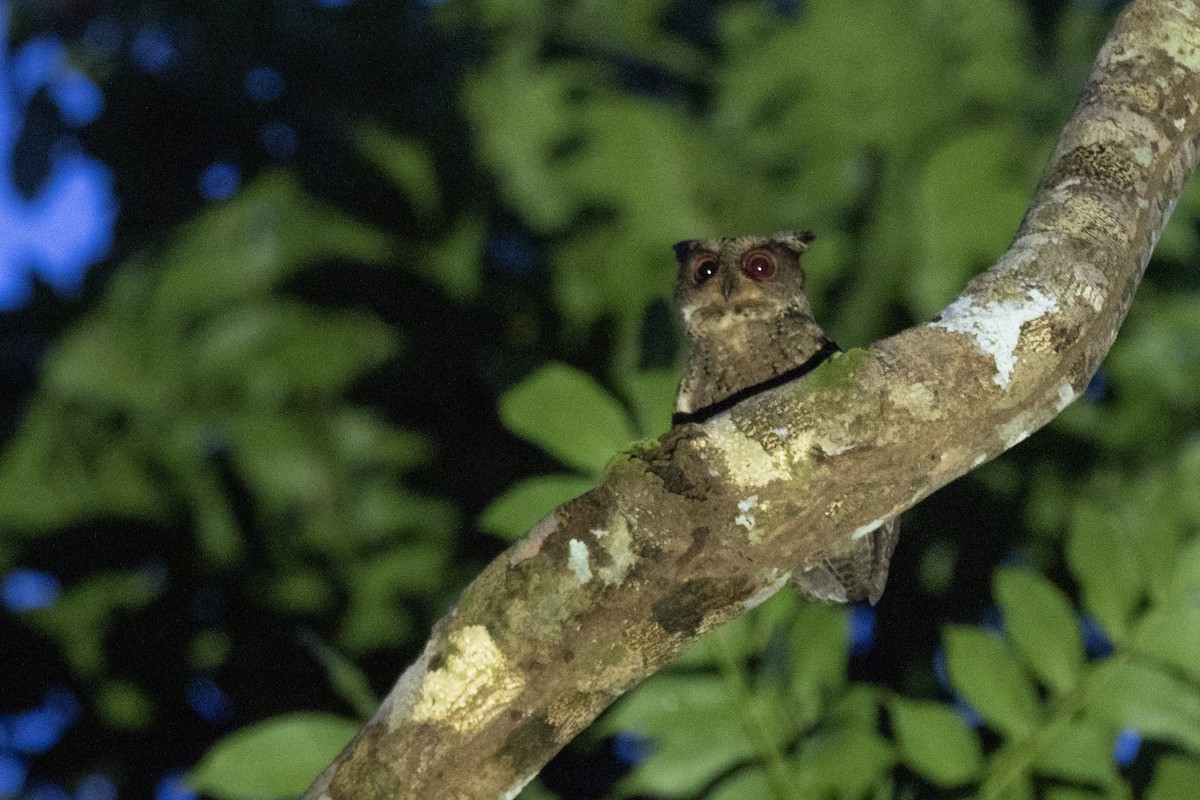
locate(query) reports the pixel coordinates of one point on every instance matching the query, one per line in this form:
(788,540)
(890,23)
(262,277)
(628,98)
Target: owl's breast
(732,352)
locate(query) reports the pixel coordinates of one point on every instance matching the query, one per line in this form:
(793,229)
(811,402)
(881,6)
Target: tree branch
(713,520)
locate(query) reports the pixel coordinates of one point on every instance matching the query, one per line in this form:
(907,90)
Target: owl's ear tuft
(683,250)
(796,241)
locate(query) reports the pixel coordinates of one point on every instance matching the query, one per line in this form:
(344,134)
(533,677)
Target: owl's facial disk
(728,286)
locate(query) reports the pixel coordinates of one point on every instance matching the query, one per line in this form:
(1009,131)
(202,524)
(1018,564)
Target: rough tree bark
(685,535)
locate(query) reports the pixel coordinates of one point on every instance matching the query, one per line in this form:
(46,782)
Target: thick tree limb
(682,537)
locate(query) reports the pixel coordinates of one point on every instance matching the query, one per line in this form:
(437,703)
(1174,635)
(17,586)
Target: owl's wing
(821,583)
(883,543)
(859,574)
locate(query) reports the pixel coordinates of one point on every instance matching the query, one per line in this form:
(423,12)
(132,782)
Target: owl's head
(747,277)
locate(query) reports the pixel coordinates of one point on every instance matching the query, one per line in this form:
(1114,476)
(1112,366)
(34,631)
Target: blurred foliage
(232,405)
(566,413)
(190,363)
(277,758)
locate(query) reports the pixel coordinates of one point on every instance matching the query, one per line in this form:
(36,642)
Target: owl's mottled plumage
(748,321)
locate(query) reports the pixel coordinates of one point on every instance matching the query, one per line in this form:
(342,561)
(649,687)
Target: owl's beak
(728,281)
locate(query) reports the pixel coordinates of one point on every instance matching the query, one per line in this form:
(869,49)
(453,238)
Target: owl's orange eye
(703,268)
(758,265)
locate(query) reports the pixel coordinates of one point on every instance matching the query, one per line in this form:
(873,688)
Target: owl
(749,327)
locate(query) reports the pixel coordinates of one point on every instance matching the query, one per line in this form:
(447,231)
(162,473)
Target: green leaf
(857,707)
(744,637)
(384,508)
(1132,694)
(737,639)
(366,440)
(820,651)
(1040,620)
(751,783)
(845,763)
(983,669)
(301,591)
(103,358)
(601,271)
(346,677)
(697,727)
(1104,563)
(1171,635)
(1078,751)
(456,261)
(1185,580)
(964,231)
(1187,486)
(1179,241)
(1175,778)
(208,650)
(935,742)
(651,394)
(639,157)
(371,623)
(269,353)
(409,569)
(514,513)
(376,618)
(218,536)
(1069,793)
(569,415)
(405,162)
(124,706)
(521,111)
(1017,789)
(65,467)
(281,458)
(275,758)
(240,250)
(79,619)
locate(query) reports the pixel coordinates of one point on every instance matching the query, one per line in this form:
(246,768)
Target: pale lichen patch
(746,519)
(472,687)
(511,792)
(1186,9)
(863,530)
(995,325)
(1066,396)
(917,399)
(1013,433)
(618,544)
(955,461)
(1180,43)
(577,560)
(777,581)
(749,463)
(1091,284)
(1085,215)
(830,447)
(405,694)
